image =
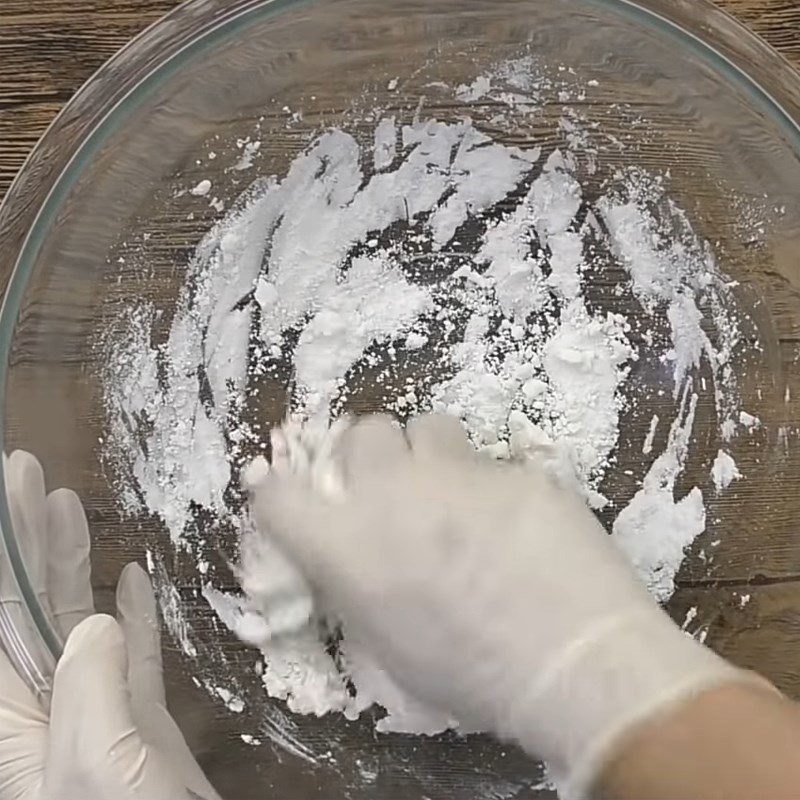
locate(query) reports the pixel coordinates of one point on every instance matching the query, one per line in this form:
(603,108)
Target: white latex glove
(486,590)
(108,734)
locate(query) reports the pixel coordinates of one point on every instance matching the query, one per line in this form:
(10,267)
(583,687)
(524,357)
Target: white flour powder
(654,530)
(724,471)
(485,307)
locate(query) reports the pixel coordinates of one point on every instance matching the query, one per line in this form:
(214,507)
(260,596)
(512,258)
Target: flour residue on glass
(432,265)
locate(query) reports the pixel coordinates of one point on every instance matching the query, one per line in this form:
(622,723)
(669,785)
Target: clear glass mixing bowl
(722,112)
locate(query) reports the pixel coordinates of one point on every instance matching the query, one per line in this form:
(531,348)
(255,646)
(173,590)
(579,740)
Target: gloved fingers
(373,445)
(138,618)
(439,435)
(90,689)
(68,564)
(18,629)
(255,474)
(23,733)
(25,489)
(94,735)
(20,708)
(303,526)
(163,735)
(10,594)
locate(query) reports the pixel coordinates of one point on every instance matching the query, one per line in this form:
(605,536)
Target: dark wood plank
(48,49)
(777,21)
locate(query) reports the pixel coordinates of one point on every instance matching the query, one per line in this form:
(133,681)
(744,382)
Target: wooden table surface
(48,48)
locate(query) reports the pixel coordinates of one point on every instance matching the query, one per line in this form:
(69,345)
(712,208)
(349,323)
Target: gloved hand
(486,590)
(108,734)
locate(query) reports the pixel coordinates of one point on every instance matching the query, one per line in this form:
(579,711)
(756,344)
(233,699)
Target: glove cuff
(615,677)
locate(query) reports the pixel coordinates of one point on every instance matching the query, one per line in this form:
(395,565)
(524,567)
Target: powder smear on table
(430,267)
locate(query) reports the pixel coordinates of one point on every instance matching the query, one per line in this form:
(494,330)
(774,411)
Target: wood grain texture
(48,48)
